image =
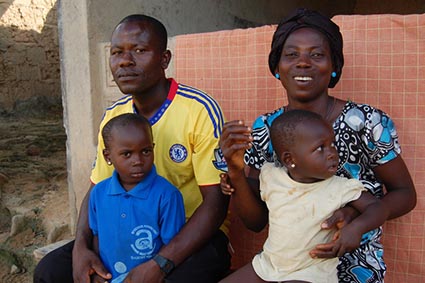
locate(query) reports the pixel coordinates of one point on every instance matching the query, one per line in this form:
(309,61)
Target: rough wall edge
(76,95)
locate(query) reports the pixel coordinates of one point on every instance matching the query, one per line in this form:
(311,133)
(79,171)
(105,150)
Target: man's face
(137,62)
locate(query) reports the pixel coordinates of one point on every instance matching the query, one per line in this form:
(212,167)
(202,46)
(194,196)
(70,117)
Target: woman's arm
(235,139)
(373,214)
(247,201)
(401,194)
(399,200)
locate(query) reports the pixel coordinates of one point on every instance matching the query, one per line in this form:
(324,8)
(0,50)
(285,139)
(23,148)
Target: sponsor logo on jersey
(219,162)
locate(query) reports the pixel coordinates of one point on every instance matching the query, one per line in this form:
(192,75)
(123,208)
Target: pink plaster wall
(385,67)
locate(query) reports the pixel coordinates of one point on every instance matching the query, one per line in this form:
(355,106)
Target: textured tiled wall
(385,67)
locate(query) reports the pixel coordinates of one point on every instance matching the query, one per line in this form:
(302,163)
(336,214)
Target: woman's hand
(235,139)
(339,219)
(346,240)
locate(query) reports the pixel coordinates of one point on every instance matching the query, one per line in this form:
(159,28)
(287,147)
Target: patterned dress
(365,138)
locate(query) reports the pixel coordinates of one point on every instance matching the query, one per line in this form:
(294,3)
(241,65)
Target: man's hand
(147,272)
(86,263)
(97,279)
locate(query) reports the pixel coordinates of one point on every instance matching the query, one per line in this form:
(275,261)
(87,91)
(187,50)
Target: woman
(306,56)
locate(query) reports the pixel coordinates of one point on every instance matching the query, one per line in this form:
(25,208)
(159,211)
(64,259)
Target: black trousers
(208,265)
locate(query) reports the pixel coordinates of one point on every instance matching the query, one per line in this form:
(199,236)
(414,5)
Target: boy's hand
(86,264)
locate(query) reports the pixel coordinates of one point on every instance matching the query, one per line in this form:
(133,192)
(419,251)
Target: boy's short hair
(122,121)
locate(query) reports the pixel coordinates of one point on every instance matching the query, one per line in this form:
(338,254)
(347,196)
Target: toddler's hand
(225,186)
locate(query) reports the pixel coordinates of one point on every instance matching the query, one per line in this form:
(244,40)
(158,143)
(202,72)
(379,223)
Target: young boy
(135,212)
(300,196)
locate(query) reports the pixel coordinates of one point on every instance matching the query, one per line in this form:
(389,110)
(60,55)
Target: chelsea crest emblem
(178,153)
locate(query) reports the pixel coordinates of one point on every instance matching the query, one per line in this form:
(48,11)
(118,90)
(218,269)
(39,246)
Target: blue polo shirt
(132,226)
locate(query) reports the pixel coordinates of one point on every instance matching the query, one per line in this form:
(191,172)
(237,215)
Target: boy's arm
(96,244)
(84,260)
(94,277)
(373,211)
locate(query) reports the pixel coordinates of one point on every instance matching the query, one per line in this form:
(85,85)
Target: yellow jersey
(186,131)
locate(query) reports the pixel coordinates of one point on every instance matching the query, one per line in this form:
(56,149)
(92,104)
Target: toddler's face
(314,153)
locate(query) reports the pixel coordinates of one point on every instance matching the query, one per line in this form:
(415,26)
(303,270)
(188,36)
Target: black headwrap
(303,18)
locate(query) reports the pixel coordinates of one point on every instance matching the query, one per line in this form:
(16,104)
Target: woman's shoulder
(361,109)
(266,119)
(358,114)
(369,124)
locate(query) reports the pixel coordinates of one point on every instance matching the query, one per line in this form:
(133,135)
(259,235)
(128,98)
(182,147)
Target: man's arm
(200,228)
(84,260)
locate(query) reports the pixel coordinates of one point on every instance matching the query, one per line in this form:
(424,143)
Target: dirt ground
(33,191)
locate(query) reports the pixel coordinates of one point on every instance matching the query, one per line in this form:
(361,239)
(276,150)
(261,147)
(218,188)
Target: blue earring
(277,76)
(333,75)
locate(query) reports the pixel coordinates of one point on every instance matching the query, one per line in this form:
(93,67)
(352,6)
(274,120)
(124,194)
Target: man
(186,125)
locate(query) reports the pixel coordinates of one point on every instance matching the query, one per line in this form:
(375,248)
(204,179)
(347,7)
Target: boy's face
(131,152)
(314,153)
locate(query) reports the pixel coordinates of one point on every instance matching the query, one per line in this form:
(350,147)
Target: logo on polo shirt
(144,244)
(178,153)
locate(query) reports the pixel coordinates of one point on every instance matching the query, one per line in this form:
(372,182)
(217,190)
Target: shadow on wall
(29,61)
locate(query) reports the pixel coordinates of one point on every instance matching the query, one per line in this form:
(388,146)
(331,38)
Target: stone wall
(29,56)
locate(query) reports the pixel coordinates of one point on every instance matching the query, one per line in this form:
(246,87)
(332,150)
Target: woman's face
(305,65)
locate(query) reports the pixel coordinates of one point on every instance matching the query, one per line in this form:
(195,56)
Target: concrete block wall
(29,52)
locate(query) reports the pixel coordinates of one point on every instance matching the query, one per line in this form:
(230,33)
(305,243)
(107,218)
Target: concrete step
(41,252)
